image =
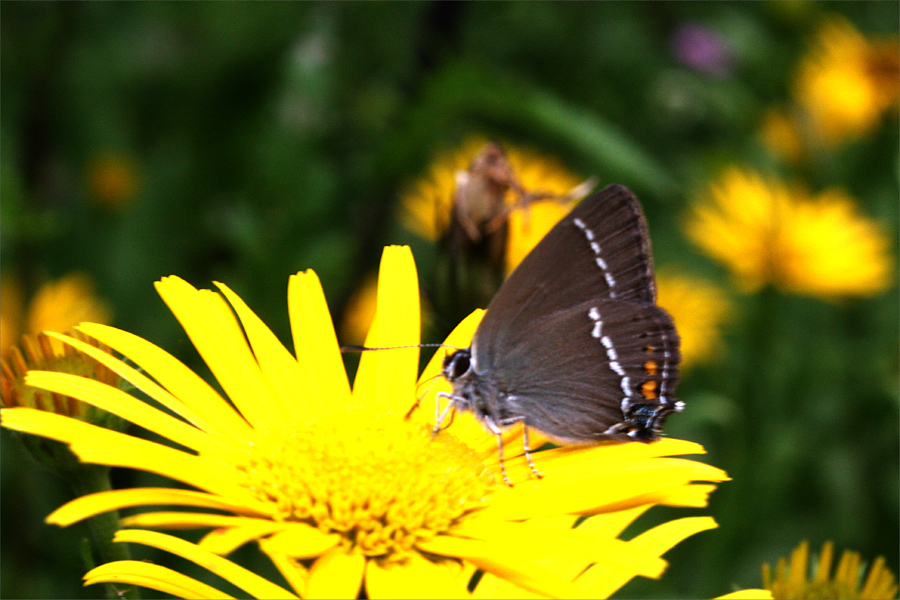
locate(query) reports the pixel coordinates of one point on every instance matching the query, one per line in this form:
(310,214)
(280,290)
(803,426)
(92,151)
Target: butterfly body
(573,344)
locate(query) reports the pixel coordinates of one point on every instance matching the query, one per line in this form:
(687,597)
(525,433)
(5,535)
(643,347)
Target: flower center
(383,485)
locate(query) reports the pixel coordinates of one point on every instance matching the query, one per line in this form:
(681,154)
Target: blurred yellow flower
(347,493)
(846,82)
(10,313)
(359,312)
(57,306)
(798,579)
(428,204)
(769,233)
(39,351)
(112,180)
(779,132)
(698,308)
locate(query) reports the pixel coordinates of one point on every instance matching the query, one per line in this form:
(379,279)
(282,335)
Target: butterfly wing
(601,250)
(573,341)
(601,369)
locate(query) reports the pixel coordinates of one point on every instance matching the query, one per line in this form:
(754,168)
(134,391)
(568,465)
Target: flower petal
(188,394)
(154,577)
(224,541)
(573,545)
(208,321)
(491,586)
(92,445)
(315,342)
(336,574)
(286,380)
(94,504)
(291,569)
(416,578)
(608,477)
(602,579)
(187,520)
(514,564)
(750,595)
(128,407)
(386,379)
(248,581)
(299,540)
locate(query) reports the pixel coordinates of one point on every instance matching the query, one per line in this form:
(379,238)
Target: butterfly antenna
(367,348)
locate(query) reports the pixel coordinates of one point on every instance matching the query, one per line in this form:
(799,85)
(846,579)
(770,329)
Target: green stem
(89,479)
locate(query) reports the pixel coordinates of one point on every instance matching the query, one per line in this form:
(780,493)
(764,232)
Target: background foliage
(245,142)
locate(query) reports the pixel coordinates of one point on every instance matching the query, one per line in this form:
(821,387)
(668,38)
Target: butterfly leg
(526,444)
(489,423)
(440,415)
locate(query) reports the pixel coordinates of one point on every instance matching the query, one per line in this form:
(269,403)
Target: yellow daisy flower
(794,580)
(57,306)
(846,82)
(344,492)
(769,233)
(428,204)
(698,308)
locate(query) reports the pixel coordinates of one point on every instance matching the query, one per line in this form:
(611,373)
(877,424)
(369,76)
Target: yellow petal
(128,407)
(226,540)
(515,564)
(286,380)
(208,321)
(336,574)
(248,581)
(385,381)
(491,586)
(612,524)
(578,480)
(299,540)
(602,580)
(92,445)
(570,545)
(293,570)
(188,394)
(315,342)
(94,504)
(186,520)
(416,578)
(749,595)
(154,577)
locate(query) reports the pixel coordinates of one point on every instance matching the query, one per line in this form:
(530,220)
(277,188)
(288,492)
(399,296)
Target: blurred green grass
(268,138)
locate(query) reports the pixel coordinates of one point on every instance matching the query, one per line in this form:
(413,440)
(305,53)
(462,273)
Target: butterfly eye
(457,364)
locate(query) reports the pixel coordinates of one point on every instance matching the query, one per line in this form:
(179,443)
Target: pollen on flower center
(383,485)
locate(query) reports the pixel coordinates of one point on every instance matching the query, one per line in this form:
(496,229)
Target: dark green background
(275,137)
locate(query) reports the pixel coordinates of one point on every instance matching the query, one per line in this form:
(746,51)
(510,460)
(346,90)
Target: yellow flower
(698,308)
(359,312)
(846,82)
(38,352)
(769,233)
(58,306)
(794,580)
(344,492)
(428,204)
(112,180)
(780,134)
